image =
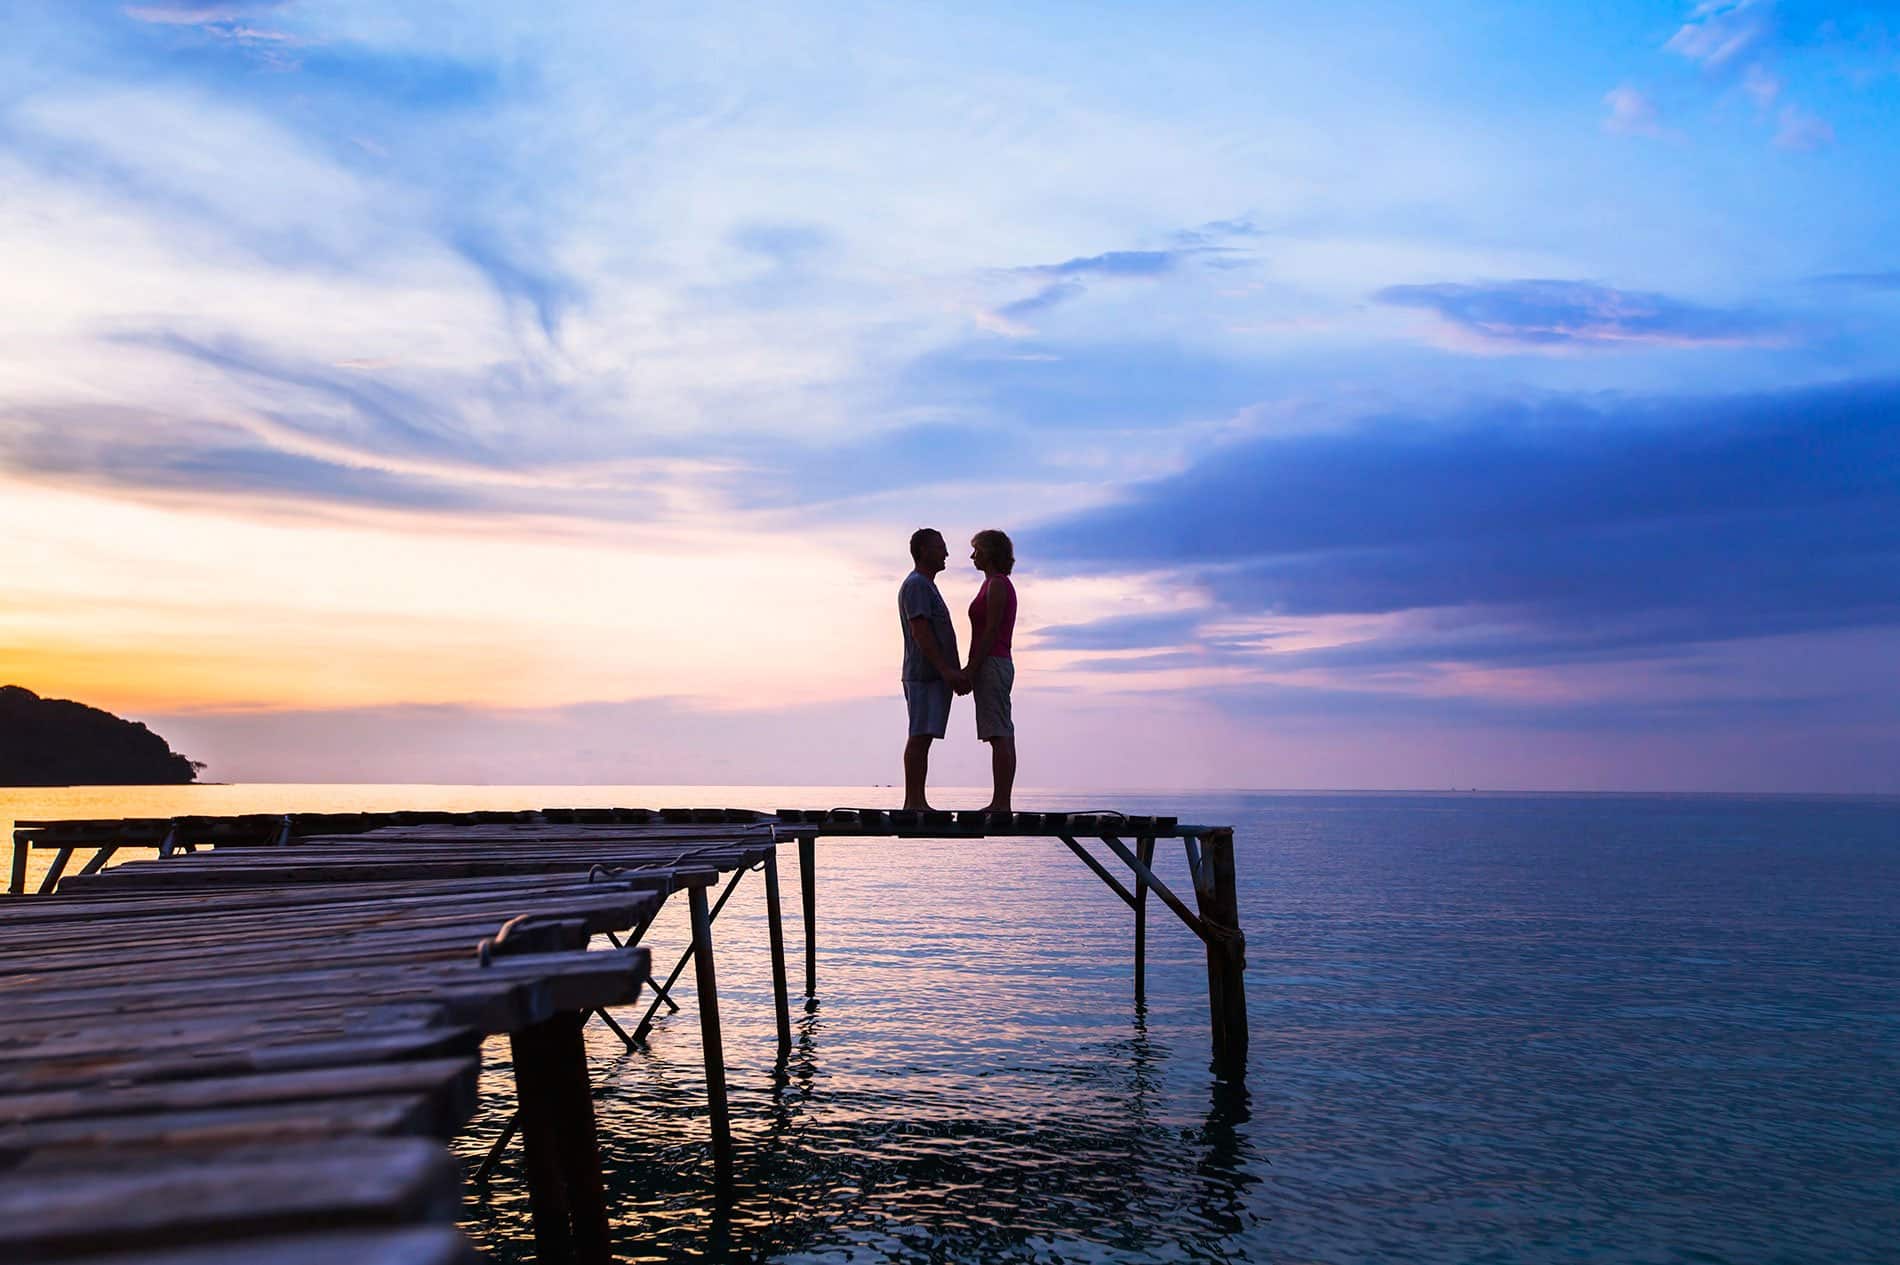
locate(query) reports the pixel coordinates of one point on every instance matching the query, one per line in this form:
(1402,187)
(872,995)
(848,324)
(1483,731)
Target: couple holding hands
(931,672)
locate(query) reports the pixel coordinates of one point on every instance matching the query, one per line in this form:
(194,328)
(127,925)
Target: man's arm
(928,647)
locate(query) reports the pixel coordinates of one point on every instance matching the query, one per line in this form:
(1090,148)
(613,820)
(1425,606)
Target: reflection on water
(973,1084)
(925,1165)
(1484,1028)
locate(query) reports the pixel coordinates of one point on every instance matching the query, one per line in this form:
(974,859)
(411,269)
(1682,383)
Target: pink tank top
(980,609)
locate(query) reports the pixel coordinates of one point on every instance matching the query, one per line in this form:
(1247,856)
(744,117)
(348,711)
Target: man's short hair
(918,539)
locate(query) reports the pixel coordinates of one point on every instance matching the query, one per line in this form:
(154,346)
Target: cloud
(1880,281)
(1065,282)
(1122,632)
(1130,384)
(1557,315)
(545,292)
(1802,130)
(1632,113)
(1721,32)
(1733,41)
(330,401)
(1558,532)
(1114,263)
(1762,85)
(156,452)
(1042,300)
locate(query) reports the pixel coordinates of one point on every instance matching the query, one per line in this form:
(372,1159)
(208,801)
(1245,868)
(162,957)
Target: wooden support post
(1145,849)
(99,858)
(1101,871)
(808,883)
(1168,898)
(495,1152)
(664,992)
(1226,951)
(709,1037)
(539,1114)
(577,1141)
(16,884)
(775,928)
(58,867)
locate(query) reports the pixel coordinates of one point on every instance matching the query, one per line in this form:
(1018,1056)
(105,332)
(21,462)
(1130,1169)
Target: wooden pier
(282,1029)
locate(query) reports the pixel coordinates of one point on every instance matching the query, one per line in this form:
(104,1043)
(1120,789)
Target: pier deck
(291,1011)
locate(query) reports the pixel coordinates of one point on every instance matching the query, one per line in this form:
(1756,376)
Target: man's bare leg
(1002,773)
(916,770)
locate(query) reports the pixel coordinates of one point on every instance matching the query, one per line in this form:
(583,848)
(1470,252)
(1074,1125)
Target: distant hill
(57,742)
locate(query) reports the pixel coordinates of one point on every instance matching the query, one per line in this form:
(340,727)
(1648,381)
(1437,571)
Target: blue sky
(1380,395)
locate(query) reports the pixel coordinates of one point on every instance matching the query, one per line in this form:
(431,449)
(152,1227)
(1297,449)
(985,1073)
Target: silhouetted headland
(57,742)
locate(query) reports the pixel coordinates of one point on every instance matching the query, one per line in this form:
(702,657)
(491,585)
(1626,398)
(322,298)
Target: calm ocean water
(1485,1028)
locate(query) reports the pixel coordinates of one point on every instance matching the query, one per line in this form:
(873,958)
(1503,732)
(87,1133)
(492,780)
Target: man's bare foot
(917,808)
(991,808)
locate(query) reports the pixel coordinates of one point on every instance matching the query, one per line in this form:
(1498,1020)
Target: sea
(1485,1028)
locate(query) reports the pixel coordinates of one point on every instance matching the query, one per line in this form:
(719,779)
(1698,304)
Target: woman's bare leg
(1002,773)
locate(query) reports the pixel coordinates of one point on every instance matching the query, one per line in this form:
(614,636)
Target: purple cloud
(1546,314)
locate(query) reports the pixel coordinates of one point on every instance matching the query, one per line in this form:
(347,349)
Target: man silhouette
(931,673)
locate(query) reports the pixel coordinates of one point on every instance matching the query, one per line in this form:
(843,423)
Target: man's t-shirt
(919,596)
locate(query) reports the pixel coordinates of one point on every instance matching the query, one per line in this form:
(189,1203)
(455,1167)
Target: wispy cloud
(1114,263)
(1721,33)
(1885,280)
(1122,632)
(1802,130)
(1552,315)
(1064,281)
(1632,113)
(1733,41)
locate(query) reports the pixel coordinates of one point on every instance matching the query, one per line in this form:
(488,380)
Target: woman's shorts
(994,679)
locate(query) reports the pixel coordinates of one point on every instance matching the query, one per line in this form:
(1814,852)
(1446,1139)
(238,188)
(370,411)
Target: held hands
(960,682)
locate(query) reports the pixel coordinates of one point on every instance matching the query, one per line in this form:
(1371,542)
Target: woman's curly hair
(996,549)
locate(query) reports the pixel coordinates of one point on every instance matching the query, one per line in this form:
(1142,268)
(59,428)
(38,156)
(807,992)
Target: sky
(1379,395)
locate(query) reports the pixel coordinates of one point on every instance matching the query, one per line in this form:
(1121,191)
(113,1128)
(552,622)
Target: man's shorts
(994,679)
(929,703)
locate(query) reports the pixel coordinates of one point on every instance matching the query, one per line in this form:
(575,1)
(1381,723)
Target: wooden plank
(102,1058)
(183,873)
(179,955)
(69,907)
(491,1004)
(47,1209)
(605,906)
(448,1085)
(509,993)
(422,1245)
(172,1133)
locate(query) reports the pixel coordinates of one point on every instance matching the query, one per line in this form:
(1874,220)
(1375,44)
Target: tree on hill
(57,742)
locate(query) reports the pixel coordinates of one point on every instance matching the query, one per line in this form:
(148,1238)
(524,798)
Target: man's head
(928,551)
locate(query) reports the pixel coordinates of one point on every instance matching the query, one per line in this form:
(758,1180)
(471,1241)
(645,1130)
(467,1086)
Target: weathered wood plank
(183,873)
(127,1054)
(50,1207)
(292,941)
(448,1085)
(423,1245)
(173,1133)
(509,993)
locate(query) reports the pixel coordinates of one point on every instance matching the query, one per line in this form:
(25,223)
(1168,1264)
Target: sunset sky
(1380,395)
